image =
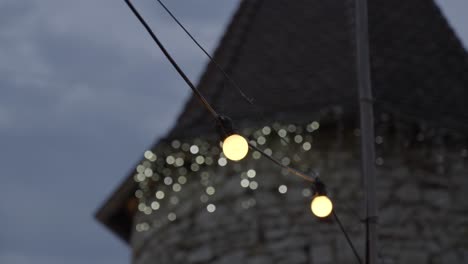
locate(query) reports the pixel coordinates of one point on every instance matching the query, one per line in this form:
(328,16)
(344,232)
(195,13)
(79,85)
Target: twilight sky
(83,92)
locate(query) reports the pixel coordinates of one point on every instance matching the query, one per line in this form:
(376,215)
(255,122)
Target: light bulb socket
(225,127)
(319,187)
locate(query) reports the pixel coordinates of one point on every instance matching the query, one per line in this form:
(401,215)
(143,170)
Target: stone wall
(421,196)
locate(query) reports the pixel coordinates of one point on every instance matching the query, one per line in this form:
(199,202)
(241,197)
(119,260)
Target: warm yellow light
(321,206)
(235,147)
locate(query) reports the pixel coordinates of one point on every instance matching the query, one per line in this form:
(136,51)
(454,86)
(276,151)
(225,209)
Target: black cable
(249,100)
(348,239)
(217,116)
(171,60)
(277,162)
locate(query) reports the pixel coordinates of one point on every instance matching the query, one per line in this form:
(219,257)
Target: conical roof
(296,58)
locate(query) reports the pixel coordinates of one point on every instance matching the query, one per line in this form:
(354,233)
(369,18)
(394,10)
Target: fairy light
(321,206)
(235,147)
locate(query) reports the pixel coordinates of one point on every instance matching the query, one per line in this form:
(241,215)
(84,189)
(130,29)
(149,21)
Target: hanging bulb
(235,147)
(321,206)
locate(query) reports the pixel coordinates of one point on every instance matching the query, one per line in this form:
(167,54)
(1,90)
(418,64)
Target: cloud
(63,46)
(455,13)
(4,119)
(84,92)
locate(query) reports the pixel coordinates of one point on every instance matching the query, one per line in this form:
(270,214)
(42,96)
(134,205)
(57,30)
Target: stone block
(321,254)
(411,257)
(260,259)
(231,258)
(409,192)
(201,254)
(293,257)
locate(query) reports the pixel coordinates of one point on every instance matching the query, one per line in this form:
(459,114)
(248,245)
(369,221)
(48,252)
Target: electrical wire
(348,239)
(249,100)
(219,117)
(277,162)
(172,61)
(210,108)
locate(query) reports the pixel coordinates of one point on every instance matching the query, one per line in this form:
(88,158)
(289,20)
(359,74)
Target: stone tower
(185,203)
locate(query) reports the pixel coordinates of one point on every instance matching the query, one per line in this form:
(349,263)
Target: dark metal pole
(366,115)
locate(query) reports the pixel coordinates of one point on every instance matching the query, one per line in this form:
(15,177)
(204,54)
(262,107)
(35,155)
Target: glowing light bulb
(321,206)
(235,147)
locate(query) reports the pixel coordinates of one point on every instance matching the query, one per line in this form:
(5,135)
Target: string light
(235,147)
(321,206)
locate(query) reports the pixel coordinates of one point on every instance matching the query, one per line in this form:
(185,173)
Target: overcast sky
(83,92)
